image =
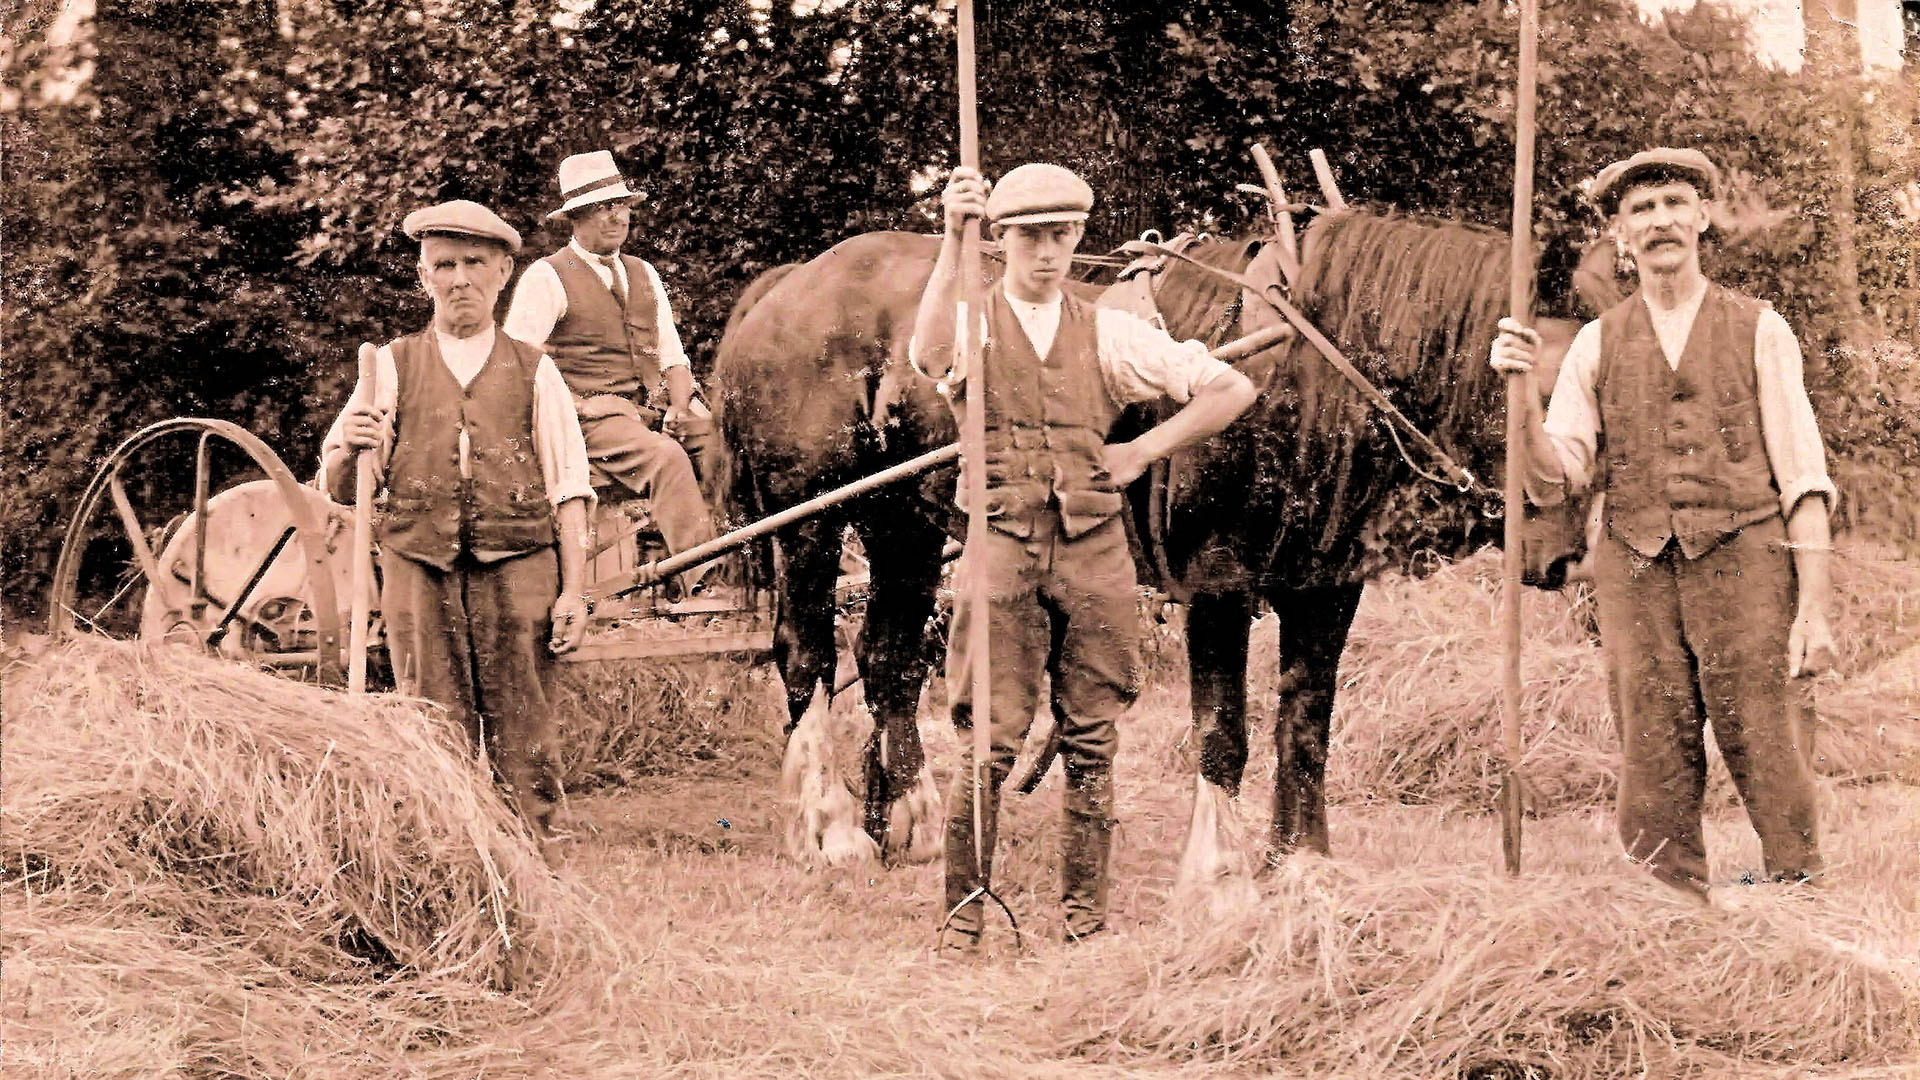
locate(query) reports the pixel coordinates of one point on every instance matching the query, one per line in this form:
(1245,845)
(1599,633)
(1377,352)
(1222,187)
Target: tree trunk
(1833,57)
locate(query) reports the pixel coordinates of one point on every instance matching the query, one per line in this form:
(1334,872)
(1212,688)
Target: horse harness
(1152,257)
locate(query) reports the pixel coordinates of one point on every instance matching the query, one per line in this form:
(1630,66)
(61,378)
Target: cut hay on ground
(254,876)
(1432,971)
(1416,718)
(621,721)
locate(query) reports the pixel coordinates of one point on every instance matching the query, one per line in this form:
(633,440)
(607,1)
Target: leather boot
(1086,838)
(963,877)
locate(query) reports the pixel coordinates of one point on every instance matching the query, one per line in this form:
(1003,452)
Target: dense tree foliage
(210,225)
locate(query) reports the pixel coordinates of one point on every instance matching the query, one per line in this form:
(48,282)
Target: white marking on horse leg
(824,823)
(1214,868)
(916,822)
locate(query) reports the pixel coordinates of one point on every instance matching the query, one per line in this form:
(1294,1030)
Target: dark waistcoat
(1680,447)
(1047,423)
(499,508)
(601,345)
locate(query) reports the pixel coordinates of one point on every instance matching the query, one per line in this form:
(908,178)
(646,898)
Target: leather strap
(1272,295)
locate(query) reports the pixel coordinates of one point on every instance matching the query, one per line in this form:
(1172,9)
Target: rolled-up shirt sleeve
(1573,424)
(956,374)
(1141,362)
(557,441)
(333,449)
(1787,426)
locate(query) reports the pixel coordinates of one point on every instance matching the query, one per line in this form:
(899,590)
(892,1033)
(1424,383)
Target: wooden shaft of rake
(365,476)
(973,446)
(1520,302)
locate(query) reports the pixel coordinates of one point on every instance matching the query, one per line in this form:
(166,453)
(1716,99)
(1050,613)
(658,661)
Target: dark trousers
(474,640)
(1690,642)
(1068,609)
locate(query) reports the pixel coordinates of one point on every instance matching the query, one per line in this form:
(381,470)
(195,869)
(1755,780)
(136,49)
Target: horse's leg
(1218,628)
(1313,631)
(903,812)
(823,826)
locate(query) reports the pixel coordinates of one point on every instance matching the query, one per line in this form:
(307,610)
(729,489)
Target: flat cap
(1611,182)
(460,218)
(1038,193)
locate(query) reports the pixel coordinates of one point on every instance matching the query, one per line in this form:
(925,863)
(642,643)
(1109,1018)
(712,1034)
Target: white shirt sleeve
(557,441)
(333,451)
(1142,362)
(538,303)
(672,353)
(1787,426)
(1573,421)
(956,375)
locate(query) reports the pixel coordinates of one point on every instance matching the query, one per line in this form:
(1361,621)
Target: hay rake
(256,566)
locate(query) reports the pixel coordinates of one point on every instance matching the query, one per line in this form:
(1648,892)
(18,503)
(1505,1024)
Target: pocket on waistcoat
(1736,432)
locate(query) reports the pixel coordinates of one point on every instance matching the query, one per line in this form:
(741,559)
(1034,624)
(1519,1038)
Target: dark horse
(1295,504)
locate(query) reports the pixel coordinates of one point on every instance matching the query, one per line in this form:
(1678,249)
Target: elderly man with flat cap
(1684,406)
(604,318)
(484,509)
(1061,585)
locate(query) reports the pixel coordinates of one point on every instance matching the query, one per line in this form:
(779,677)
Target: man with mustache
(1684,406)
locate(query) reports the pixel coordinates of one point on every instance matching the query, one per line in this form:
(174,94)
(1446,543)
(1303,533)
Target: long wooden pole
(973,447)
(1520,303)
(661,569)
(364,479)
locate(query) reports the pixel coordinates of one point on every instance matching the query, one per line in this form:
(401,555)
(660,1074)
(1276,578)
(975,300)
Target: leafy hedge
(210,226)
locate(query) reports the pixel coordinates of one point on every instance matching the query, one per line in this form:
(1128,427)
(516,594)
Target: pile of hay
(1417,717)
(1421,970)
(211,870)
(621,720)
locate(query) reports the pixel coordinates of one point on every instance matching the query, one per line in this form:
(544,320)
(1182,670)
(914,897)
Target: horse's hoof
(916,826)
(1215,873)
(824,827)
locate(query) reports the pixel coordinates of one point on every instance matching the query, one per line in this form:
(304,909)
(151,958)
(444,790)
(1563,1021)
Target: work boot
(963,877)
(1086,838)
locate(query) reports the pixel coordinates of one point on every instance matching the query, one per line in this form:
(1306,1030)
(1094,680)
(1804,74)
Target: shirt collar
(1030,305)
(590,256)
(481,342)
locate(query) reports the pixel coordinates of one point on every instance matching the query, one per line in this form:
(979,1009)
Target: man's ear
(420,271)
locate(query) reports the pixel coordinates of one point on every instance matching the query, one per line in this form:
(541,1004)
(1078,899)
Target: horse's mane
(1413,302)
(1418,298)
(1196,304)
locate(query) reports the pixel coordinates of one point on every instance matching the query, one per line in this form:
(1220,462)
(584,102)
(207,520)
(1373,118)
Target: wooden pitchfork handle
(1520,301)
(366,476)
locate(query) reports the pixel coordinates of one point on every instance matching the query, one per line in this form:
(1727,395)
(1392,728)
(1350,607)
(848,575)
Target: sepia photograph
(631,539)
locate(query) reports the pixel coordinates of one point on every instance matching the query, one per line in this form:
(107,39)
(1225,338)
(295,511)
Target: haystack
(254,872)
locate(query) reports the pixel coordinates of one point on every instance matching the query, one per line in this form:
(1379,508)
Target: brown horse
(1295,504)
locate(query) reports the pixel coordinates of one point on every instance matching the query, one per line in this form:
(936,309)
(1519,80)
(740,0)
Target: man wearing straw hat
(476,593)
(604,318)
(1684,407)
(1061,585)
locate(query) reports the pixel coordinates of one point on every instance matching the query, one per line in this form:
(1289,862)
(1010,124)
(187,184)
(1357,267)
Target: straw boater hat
(591,178)
(1038,194)
(1690,166)
(460,218)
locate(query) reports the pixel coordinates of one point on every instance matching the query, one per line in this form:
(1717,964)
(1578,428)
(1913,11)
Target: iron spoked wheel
(249,572)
